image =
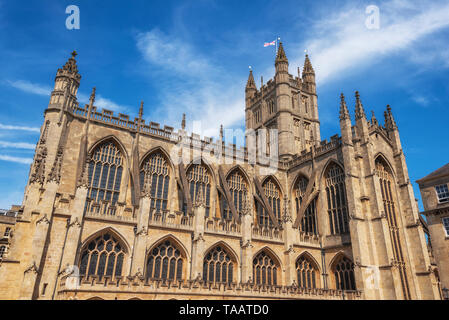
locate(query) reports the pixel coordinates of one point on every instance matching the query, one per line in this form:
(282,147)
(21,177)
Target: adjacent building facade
(117,208)
(435,195)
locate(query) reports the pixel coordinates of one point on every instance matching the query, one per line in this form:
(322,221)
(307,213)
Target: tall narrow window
(103,256)
(273,195)
(344,274)
(218,266)
(264,269)
(7,232)
(165,262)
(155,169)
(307,273)
(105,174)
(446,225)
(388,196)
(2,251)
(239,191)
(309,221)
(337,207)
(199,177)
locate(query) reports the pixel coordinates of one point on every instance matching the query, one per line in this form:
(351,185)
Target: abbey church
(117,208)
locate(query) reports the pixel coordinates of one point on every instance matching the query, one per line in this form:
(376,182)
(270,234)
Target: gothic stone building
(110,211)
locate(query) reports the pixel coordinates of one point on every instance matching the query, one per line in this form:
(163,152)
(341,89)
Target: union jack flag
(267,44)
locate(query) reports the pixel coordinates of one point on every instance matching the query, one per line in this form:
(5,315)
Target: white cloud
(341,43)
(29,87)
(199,88)
(16,159)
(17,145)
(19,128)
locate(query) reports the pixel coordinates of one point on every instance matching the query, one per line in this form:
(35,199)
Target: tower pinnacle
(344,113)
(281,56)
(359,111)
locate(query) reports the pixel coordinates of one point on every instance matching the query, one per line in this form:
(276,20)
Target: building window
(387,184)
(264,270)
(309,221)
(105,175)
(218,266)
(307,273)
(199,177)
(165,262)
(446,225)
(337,207)
(103,256)
(2,251)
(7,232)
(273,195)
(155,169)
(239,191)
(344,274)
(443,193)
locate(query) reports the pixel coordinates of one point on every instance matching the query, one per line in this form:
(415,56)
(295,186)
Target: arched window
(337,207)
(309,220)
(344,274)
(273,194)
(218,266)
(2,251)
(102,256)
(165,262)
(105,174)
(264,269)
(307,272)
(156,169)
(239,191)
(388,197)
(199,177)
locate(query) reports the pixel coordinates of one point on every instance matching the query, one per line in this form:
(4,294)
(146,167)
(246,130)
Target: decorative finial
(183,122)
(221,131)
(92,95)
(344,113)
(141,110)
(74,54)
(359,111)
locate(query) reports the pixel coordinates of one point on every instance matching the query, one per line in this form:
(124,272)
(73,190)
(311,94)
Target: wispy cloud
(199,87)
(17,145)
(342,42)
(16,159)
(34,88)
(20,128)
(29,87)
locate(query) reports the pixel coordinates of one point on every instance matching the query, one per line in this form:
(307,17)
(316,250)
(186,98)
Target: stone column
(139,250)
(289,240)
(198,240)
(247,252)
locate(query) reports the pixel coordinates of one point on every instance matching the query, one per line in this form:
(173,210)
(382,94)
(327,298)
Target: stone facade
(111,212)
(436,205)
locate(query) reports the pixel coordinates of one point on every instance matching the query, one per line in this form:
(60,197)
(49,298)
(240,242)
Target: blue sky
(193,57)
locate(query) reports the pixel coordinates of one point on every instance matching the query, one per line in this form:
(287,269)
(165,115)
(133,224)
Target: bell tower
(287,104)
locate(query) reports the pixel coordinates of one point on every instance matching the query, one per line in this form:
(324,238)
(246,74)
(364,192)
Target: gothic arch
(155,150)
(206,164)
(308,256)
(176,241)
(110,230)
(227,247)
(94,298)
(339,255)
(342,270)
(243,173)
(299,175)
(271,253)
(328,164)
(276,181)
(380,156)
(114,140)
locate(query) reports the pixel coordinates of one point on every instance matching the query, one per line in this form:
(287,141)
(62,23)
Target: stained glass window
(165,262)
(344,274)
(309,220)
(218,266)
(156,169)
(102,256)
(238,188)
(198,176)
(337,207)
(264,269)
(307,273)
(273,194)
